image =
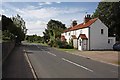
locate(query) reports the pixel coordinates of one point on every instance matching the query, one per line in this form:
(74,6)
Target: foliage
(21,28)
(53,32)
(65,45)
(109,13)
(34,38)
(12,31)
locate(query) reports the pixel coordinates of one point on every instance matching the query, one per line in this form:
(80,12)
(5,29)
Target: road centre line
(37,46)
(51,53)
(77,64)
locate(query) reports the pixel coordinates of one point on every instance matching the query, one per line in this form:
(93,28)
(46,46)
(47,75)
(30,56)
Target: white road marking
(51,53)
(77,65)
(37,46)
(33,72)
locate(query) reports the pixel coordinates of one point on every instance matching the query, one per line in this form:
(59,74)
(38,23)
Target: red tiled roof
(74,37)
(82,25)
(83,36)
(67,29)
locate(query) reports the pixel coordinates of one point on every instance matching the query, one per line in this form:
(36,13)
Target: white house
(92,34)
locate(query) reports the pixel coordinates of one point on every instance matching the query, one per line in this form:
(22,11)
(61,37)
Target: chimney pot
(87,18)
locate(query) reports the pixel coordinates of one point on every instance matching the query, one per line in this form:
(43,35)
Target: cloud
(36,17)
(58,2)
(47,12)
(36,27)
(55,0)
(44,3)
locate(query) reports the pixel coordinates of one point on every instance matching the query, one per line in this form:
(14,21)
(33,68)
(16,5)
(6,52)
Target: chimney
(74,23)
(87,18)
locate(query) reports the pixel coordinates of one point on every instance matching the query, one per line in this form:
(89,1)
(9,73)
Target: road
(51,63)
(16,65)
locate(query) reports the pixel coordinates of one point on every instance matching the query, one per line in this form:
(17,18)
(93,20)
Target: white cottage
(92,34)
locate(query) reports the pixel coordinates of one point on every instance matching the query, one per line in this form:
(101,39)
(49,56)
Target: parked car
(116,47)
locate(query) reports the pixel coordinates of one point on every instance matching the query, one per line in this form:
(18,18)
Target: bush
(69,46)
(62,44)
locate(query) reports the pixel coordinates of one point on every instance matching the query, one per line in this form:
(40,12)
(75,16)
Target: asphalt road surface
(51,63)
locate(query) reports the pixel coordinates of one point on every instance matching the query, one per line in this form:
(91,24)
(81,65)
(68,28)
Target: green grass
(44,44)
(66,50)
(36,42)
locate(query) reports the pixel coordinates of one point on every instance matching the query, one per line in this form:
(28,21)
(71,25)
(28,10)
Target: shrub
(62,44)
(69,46)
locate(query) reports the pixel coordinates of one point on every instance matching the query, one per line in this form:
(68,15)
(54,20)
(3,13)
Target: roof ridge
(81,25)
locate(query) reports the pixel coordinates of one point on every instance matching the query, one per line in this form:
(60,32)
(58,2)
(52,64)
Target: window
(108,41)
(65,33)
(80,42)
(102,31)
(80,31)
(69,33)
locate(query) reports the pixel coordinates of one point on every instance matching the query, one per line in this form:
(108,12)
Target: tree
(53,31)
(46,36)
(109,13)
(20,23)
(8,28)
(34,38)
(11,30)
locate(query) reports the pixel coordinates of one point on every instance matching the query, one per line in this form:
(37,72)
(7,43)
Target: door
(84,45)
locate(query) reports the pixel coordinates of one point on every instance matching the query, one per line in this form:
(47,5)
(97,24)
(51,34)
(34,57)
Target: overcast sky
(37,14)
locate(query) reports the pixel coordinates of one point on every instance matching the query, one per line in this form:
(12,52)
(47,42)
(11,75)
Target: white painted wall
(67,36)
(97,40)
(77,33)
(112,42)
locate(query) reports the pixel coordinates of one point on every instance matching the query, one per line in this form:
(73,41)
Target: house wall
(77,33)
(111,43)
(66,34)
(98,41)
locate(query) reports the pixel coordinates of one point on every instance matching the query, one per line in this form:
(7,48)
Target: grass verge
(66,50)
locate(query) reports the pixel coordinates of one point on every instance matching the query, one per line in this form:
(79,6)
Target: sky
(37,14)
